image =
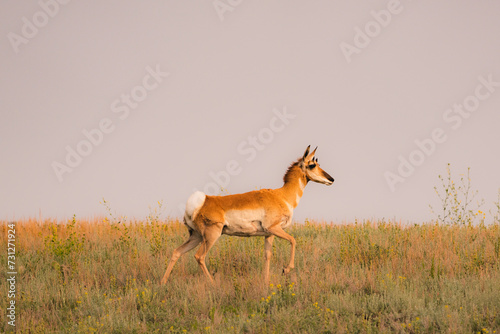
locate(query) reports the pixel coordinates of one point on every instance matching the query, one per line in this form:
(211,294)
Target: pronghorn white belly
(244,223)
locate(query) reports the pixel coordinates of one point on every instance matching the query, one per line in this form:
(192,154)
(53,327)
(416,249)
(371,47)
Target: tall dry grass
(94,276)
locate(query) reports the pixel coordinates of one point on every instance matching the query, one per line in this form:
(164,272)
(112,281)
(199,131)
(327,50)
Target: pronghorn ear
(306,153)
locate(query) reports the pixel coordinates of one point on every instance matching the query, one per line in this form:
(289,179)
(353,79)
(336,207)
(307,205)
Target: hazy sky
(153,99)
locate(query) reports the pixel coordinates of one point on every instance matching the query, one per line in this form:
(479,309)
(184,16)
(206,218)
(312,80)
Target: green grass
(98,277)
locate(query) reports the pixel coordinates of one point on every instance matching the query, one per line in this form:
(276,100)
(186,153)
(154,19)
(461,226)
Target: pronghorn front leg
(268,252)
(278,231)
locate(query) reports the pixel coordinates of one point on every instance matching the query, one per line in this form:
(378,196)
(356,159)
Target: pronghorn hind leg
(268,252)
(210,236)
(193,241)
(278,231)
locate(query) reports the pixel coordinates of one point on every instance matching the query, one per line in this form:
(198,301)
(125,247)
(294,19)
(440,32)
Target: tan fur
(264,212)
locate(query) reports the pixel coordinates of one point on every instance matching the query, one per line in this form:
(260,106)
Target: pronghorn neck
(295,181)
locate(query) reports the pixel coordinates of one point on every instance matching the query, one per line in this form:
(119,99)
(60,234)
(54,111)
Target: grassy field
(103,277)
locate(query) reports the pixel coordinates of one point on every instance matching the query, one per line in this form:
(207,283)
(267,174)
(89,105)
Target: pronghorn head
(310,166)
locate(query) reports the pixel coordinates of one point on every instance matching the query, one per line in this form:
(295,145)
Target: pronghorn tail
(193,205)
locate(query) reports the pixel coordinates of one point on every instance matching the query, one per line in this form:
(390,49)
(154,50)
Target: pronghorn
(264,212)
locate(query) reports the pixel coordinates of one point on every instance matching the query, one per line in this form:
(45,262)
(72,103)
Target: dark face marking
(327,176)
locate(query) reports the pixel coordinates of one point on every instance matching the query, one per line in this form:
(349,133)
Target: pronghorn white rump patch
(193,205)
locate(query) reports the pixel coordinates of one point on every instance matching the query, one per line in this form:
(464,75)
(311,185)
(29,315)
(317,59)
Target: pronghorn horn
(311,155)
(307,152)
